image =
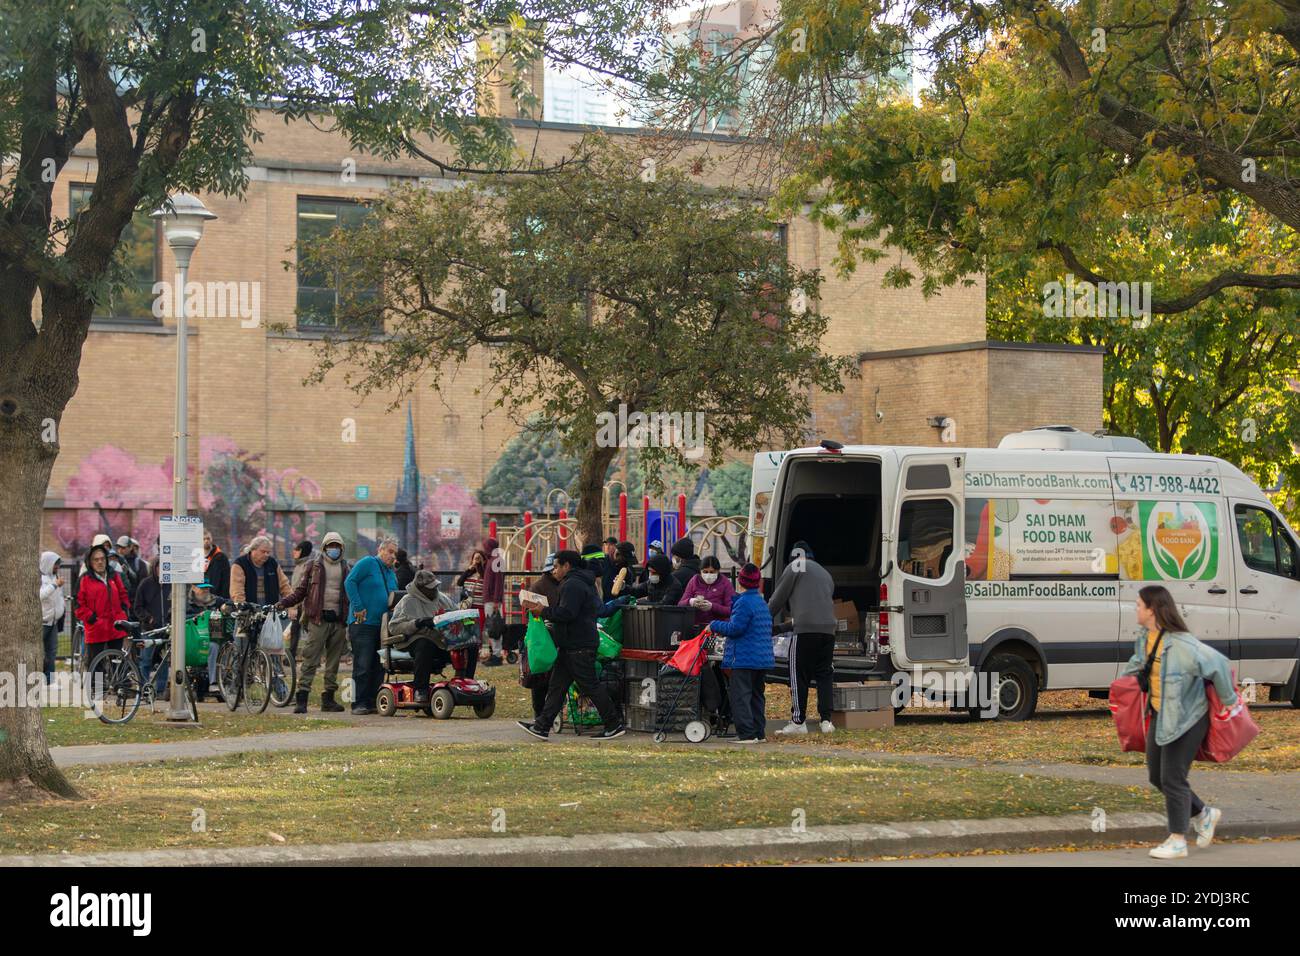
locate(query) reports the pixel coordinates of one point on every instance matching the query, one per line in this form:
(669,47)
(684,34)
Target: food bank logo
(1179,539)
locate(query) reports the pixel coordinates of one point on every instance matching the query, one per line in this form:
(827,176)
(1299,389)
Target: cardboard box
(847,621)
(863,719)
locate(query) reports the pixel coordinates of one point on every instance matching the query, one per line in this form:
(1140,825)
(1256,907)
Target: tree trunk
(38,378)
(26,768)
(591,486)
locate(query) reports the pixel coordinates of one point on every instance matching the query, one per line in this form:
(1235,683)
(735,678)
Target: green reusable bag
(197,635)
(613,625)
(541,647)
(608,649)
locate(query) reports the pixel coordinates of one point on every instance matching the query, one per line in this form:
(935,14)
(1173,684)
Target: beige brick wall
(988,392)
(246,383)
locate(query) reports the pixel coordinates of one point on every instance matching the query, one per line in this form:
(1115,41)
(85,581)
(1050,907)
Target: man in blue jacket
(748,655)
(368,585)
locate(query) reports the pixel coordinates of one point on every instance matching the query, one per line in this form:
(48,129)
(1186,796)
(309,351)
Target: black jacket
(667,591)
(153,603)
(690,567)
(404,571)
(218,575)
(574,615)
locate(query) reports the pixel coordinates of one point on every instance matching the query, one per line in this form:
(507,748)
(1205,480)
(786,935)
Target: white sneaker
(793,728)
(1174,848)
(1205,824)
(828,727)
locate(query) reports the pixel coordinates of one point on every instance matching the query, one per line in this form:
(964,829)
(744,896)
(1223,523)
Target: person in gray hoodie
(808,591)
(410,628)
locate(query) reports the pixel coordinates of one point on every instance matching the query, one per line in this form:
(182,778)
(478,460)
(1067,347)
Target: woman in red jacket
(101,601)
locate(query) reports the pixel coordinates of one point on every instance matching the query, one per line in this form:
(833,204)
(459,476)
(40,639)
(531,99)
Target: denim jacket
(1186,664)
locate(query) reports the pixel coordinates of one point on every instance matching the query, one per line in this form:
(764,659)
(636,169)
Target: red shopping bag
(1128,705)
(689,658)
(1227,735)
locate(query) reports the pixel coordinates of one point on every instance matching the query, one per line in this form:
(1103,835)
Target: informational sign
(1040,537)
(180,550)
(363,492)
(450,524)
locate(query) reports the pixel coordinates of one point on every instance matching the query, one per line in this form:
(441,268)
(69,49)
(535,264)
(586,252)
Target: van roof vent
(1069,438)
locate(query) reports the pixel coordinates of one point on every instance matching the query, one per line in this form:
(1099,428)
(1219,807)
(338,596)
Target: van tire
(1019,700)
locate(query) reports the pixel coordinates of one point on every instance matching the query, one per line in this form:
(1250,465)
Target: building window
(319,295)
(138,252)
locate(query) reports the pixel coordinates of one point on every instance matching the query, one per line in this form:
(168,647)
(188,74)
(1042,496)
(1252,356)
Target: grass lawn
(65,726)
(370,794)
(1069,727)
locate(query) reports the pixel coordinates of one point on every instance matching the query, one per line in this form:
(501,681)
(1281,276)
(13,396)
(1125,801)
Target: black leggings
(1167,769)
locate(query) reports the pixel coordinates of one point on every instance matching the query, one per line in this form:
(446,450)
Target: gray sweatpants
(1167,769)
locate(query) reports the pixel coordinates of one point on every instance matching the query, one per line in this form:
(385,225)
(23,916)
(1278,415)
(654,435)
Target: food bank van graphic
(1024,561)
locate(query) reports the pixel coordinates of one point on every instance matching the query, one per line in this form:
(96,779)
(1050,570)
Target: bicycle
(115,674)
(244,671)
(284,677)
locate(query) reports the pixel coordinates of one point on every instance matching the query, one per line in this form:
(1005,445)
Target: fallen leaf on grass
(275,836)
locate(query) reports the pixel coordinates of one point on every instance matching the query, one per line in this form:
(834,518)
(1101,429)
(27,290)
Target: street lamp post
(183,217)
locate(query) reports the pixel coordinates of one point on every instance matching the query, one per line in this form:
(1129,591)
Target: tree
(169,93)
(599,294)
(532,463)
(1222,379)
(1040,120)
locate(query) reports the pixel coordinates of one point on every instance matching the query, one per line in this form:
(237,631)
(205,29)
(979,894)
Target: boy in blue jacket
(748,655)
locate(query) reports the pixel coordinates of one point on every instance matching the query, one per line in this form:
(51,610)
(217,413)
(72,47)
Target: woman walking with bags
(1172,667)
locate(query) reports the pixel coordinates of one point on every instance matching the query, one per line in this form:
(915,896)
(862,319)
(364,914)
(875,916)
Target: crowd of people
(336,607)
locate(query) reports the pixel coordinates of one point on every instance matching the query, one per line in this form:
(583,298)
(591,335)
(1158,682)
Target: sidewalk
(676,848)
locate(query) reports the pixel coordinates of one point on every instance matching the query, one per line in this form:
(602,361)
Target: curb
(682,847)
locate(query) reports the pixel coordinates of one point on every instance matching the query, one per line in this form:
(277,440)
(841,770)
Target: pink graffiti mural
(449,551)
(114,493)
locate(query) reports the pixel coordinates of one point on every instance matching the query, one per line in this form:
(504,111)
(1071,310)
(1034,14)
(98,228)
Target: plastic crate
(657,627)
(639,669)
(639,718)
(869,696)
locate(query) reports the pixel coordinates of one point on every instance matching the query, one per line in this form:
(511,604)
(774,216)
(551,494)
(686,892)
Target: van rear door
(762,483)
(927,552)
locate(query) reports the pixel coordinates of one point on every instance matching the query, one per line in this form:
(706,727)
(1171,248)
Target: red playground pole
(492,528)
(564,532)
(681,516)
(528,540)
(622,516)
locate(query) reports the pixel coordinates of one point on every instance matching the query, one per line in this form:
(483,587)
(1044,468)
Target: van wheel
(1016,687)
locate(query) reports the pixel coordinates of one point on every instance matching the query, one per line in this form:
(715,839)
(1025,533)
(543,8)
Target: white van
(1024,561)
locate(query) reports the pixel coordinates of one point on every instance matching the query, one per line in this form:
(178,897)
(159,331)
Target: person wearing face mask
(709,593)
(410,628)
(659,587)
(685,563)
(323,618)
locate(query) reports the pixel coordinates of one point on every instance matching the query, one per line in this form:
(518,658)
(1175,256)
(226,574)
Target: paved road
(1271,853)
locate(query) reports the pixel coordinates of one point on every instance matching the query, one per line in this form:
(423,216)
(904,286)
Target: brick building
(268,452)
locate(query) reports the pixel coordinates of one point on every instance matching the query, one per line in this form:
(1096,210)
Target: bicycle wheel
(228,678)
(189,695)
(284,678)
(115,686)
(257,682)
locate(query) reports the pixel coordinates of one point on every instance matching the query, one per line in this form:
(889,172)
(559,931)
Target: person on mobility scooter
(424,633)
